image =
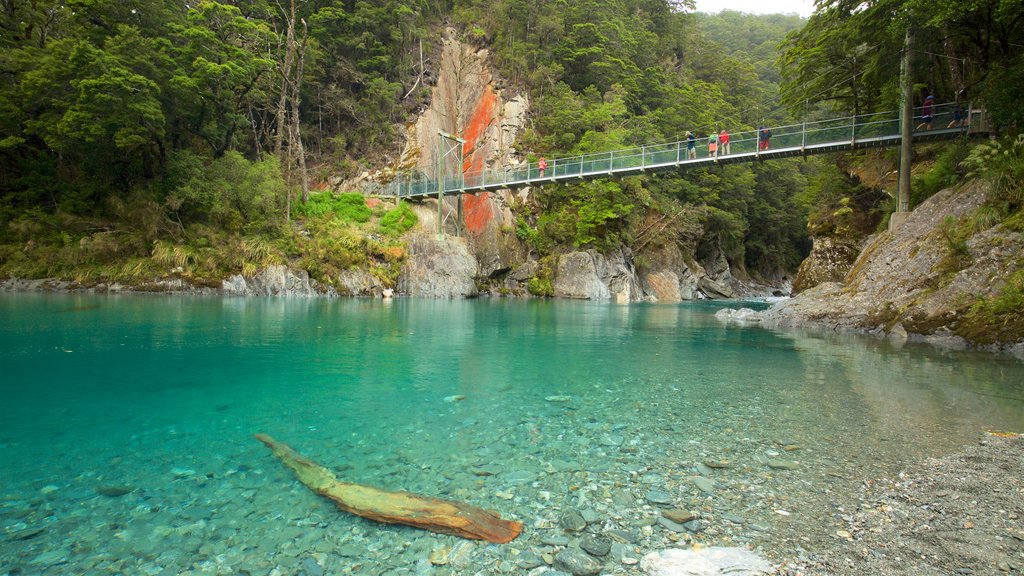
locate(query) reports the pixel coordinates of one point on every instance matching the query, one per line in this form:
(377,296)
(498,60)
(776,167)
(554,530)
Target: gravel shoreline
(959,514)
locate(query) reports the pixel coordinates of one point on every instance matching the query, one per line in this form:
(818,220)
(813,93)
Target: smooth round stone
(703,470)
(623,499)
(622,536)
(577,562)
(590,515)
(596,545)
(555,540)
(706,485)
(734,519)
(679,516)
(782,464)
(113,491)
(670,525)
(656,496)
(695,526)
(572,521)
(652,478)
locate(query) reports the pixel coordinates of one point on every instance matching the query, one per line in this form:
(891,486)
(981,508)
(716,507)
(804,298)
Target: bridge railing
(832,131)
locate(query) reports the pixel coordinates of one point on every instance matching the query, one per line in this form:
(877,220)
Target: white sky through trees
(801,7)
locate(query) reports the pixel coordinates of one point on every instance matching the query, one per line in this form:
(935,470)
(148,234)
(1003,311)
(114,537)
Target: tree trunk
(436,515)
(296,133)
(286,74)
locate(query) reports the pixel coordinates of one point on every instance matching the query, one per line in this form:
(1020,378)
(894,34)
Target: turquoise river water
(127,422)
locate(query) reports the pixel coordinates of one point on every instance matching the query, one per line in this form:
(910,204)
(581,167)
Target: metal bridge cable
(775,98)
(770,110)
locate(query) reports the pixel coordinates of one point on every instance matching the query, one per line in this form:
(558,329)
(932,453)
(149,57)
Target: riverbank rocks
(275,280)
(438,268)
(713,561)
(903,281)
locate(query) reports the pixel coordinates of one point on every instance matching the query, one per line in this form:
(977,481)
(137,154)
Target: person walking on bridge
(542,165)
(764,137)
(713,145)
(723,141)
(926,113)
(691,146)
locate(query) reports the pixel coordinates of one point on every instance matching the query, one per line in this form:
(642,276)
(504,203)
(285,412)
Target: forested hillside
(140,137)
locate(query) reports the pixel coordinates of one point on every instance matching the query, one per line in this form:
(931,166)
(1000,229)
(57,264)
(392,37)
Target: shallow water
(126,427)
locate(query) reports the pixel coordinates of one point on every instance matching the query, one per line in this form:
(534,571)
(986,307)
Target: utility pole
(906,128)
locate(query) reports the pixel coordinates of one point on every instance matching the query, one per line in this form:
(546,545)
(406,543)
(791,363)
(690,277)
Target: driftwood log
(436,515)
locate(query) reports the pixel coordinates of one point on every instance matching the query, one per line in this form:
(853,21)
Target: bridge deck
(820,137)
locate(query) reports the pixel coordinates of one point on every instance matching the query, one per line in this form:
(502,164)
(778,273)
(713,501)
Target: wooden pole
(906,125)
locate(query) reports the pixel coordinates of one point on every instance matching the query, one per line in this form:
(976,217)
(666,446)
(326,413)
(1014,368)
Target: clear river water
(127,422)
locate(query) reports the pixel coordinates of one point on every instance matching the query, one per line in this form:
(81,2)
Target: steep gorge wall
(470,101)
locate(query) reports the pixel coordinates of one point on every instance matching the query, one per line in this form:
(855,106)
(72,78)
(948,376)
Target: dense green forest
(138,137)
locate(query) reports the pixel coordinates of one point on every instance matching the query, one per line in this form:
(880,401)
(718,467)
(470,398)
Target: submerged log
(436,515)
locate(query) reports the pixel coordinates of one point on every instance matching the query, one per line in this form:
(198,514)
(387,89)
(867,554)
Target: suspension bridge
(807,138)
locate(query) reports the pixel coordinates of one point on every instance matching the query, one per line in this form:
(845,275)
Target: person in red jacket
(542,165)
(723,143)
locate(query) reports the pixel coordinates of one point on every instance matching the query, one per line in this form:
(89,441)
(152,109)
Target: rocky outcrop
(914,280)
(593,276)
(438,268)
(275,281)
(359,282)
(829,261)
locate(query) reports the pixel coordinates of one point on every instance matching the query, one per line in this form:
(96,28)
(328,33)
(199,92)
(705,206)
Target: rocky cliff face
(469,100)
(915,279)
(438,268)
(829,261)
(275,281)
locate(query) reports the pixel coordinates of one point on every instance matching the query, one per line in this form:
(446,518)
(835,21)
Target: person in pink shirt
(723,143)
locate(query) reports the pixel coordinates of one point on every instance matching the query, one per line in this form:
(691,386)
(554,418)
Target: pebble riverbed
(614,433)
(597,485)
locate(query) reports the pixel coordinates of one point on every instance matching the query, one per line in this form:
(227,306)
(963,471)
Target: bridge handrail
(808,133)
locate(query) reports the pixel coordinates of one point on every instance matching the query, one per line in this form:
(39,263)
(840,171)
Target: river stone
(656,496)
(590,515)
(733,518)
(555,540)
(679,516)
(718,463)
(519,477)
(712,561)
(670,525)
(26,533)
(596,545)
(113,491)
(612,440)
(623,499)
(311,568)
(487,470)
(703,470)
(706,485)
(529,560)
(782,464)
(572,521)
(695,526)
(577,562)
(623,536)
